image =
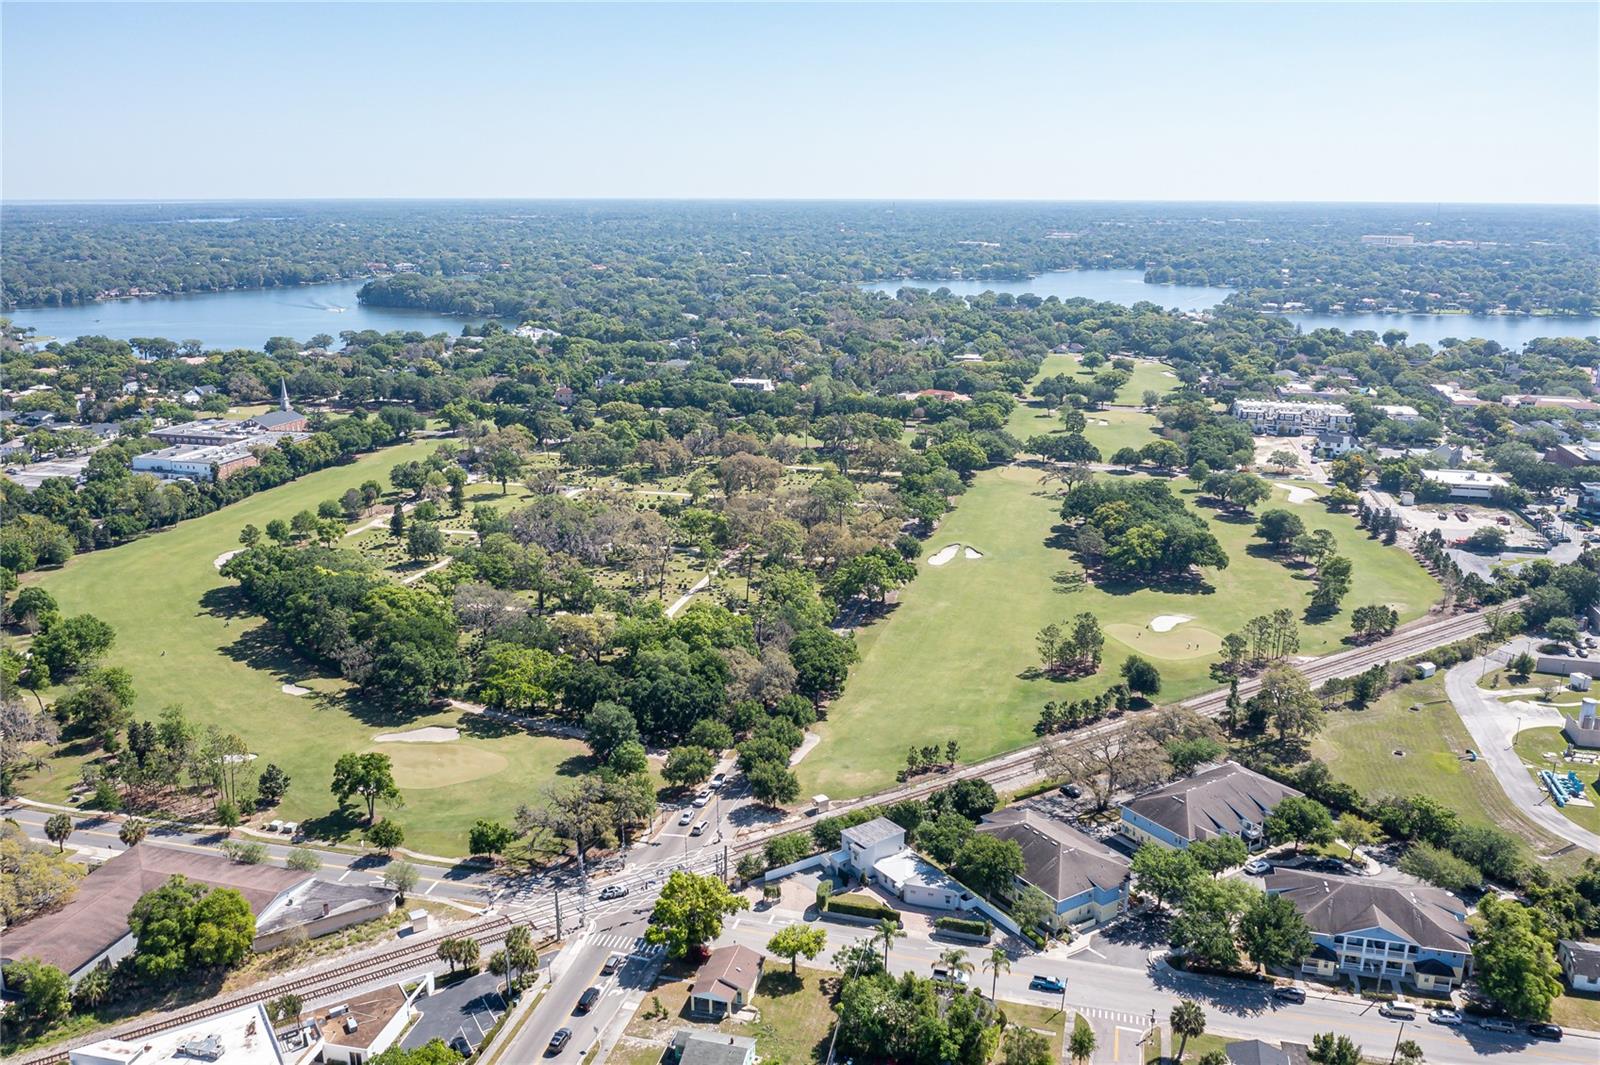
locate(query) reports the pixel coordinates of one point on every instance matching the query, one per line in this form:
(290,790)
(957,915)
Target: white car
(703,798)
(1444,1016)
(685,817)
(1258,867)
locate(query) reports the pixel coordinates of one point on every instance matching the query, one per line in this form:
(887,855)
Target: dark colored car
(1543,1030)
(559,1040)
(1289,993)
(1054,985)
(460,1045)
(1071,791)
(587,1000)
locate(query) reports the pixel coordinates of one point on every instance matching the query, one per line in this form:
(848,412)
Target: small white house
(867,844)
(1580,964)
(919,883)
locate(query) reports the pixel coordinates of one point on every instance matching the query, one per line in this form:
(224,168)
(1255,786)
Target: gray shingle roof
(1212,803)
(1581,959)
(711,1048)
(875,831)
(1058,859)
(1334,905)
(1255,1052)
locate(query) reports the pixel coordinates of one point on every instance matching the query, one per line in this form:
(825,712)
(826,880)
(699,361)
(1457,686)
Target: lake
(245,318)
(1128,287)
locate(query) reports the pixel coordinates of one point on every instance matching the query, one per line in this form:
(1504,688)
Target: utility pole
(1397,1036)
(557,892)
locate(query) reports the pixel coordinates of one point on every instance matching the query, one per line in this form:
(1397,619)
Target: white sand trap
(1169,373)
(971,552)
(1101,421)
(945,554)
(294,689)
(427,734)
(222,559)
(1168,622)
(1297,494)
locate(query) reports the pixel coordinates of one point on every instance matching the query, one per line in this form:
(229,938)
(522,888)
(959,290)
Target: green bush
(964,925)
(861,906)
(784,850)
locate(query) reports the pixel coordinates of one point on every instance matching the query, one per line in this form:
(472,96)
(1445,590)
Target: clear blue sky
(1481,103)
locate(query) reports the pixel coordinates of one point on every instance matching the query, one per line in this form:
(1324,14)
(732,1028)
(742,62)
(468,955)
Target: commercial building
(240,1037)
(1226,800)
(1399,412)
(93,927)
(1575,454)
(1466,484)
(1393,933)
(876,852)
(196,462)
(1389,240)
(753,384)
(1085,880)
(1290,417)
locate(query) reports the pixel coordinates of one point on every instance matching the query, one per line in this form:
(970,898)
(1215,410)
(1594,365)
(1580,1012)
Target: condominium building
(1291,418)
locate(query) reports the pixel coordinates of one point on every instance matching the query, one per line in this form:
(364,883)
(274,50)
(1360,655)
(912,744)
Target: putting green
(1185,641)
(421,766)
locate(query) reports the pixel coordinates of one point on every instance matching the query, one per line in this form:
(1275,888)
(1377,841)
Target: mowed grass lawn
(1359,747)
(189,640)
(952,660)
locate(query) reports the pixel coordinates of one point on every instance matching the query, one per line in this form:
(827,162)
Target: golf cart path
(1493,728)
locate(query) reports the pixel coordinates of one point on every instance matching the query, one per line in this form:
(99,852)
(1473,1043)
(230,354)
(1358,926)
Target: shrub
(861,906)
(963,925)
(783,850)
(1440,868)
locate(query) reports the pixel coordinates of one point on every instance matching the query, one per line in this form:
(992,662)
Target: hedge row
(964,925)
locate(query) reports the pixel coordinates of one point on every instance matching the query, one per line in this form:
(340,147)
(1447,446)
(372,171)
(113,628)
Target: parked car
(1496,1024)
(613,891)
(1545,1030)
(685,817)
(460,1045)
(1072,791)
(1053,984)
(948,975)
(613,963)
(1258,867)
(1289,993)
(1398,1011)
(586,1001)
(1444,1016)
(558,1041)
(703,798)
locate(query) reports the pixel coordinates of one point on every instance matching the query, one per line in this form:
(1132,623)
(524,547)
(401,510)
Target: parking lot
(467,1009)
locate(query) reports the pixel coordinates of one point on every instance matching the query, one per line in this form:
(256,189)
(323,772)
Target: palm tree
(132,832)
(888,931)
(999,962)
(1187,1019)
(58,829)
(956,961)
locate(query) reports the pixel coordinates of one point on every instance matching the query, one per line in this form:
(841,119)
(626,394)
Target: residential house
(1331,443)
(564,396)
(1226,800)
(1385,931)
(1085,880)
(692,1046)
(726,982)
(1580,964)
(865,844)
(1255,1052)
(753,384)
(198,394)
(918,882)
(1398,412)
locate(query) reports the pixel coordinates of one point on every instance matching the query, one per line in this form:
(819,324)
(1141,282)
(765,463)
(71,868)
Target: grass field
(954,659)
(188,640)
(1534,745)
(796,1018)
(1359,747)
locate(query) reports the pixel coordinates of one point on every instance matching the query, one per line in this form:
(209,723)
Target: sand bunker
(1101,421)
(1298,494)
(970,552)
(222,559)
(944,555)
(294,689)
(427,734)
(1168,622)
(1169,373)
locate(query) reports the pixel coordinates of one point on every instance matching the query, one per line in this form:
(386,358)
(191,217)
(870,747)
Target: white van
(700,827)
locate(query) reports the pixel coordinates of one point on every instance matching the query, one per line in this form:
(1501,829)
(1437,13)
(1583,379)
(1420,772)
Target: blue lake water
(1128,287)
(246,318)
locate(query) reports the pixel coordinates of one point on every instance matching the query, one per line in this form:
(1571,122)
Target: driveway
(1493,726)
(467,1009)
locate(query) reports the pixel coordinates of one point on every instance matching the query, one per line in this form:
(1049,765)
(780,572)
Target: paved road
(1120,979)
(1493,726)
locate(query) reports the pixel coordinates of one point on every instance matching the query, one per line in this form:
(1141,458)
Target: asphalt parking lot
(467,1009)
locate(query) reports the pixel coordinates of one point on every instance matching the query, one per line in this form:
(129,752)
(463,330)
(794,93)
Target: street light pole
(1397,1036)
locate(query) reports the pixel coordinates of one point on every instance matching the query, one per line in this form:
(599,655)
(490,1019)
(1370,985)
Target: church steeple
(283,394)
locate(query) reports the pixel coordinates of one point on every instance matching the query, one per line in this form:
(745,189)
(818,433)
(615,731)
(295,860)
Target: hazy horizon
(1492,104)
